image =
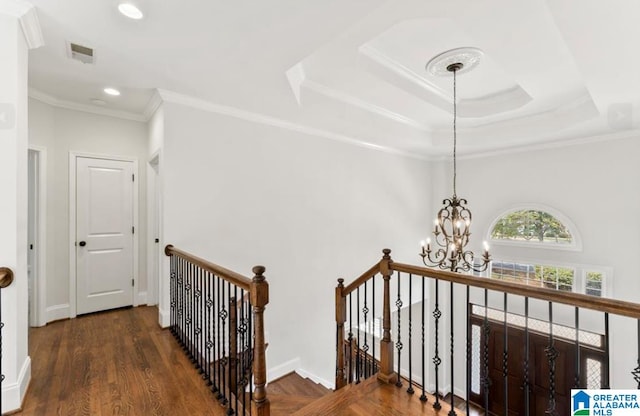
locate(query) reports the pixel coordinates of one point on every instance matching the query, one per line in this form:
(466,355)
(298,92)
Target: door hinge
(133,177)
(132,283)
(133,230)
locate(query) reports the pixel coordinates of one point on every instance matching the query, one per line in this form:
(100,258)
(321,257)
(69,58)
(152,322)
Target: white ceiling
(552,70)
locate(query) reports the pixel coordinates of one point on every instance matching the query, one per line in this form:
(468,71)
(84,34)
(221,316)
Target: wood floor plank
(113,363)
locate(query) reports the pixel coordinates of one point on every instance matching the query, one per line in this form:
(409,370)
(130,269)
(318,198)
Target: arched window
(531,231)
(531,225)
(535,226)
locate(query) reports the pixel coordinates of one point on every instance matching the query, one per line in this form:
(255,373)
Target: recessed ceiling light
(98,101)
(112,91)
(130,10)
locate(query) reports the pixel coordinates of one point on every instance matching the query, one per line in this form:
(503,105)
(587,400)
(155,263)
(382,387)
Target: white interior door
(104,234)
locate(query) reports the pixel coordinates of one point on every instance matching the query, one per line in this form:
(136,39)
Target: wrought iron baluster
(233,349)
(486,332)
(410,389)
(373,314)
(526,356)
(451,357)
(365,346)
(219,340)
(468,369)
(358,353)
(607,360)
(577,377)
(172,294)
(199,327)
(636,371)
(208,344)
(399,335)
(436,358)
(423,396)
(251,346)
(552,355)
(189,318)
(181,304)
(215,305)
(242,329)
(505,356)
(224,313)
(350,339)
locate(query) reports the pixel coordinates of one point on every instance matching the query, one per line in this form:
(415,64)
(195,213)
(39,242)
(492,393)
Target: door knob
(82,243)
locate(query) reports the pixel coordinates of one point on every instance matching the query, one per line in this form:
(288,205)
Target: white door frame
(39,309)
(72,224)
(154,230)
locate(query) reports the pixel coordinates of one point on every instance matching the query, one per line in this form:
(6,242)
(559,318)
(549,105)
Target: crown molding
(152,105)
(69,105)
(26,13)
(554,144)
(200,104)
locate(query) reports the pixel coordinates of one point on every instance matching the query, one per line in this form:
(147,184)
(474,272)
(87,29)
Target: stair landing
(372,397)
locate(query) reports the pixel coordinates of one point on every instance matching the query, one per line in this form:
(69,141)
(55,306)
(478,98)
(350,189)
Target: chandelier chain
(455,135)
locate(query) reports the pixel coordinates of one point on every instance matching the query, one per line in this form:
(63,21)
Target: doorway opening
(36,236)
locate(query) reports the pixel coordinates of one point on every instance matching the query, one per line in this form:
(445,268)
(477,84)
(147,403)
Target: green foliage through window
(531,225)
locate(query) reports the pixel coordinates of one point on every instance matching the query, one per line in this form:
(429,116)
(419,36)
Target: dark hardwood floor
(113,363)
(122,363)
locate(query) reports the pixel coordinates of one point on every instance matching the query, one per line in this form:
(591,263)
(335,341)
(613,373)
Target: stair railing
(217,316)
(493,311)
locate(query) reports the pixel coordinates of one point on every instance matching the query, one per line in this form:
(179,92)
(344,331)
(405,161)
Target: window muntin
(539,275)
(590,280)
(532,226)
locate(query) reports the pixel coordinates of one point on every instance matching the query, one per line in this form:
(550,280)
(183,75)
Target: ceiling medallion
(468,57)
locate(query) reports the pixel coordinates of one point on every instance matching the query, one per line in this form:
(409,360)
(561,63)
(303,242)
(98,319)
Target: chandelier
(451,231)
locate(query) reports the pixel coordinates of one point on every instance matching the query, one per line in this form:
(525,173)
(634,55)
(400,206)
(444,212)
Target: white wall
(62,131)
(591,183)
(311,210)
(13,210)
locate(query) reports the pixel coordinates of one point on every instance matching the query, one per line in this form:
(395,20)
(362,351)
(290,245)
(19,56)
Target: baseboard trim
(283,369)
(13,394)
(306,374)
(163,318)
(142,298)
(57,312)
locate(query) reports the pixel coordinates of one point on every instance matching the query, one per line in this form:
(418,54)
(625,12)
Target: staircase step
(371,397)
(295,385)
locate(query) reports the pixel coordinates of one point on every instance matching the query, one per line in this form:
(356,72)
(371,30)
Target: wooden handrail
(360,280)
(614,306)
(228,275)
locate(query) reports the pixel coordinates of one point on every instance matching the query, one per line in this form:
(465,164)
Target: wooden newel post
(341,317)
(259,299)
(386,373)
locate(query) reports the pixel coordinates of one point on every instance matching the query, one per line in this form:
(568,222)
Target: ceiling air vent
(80,53)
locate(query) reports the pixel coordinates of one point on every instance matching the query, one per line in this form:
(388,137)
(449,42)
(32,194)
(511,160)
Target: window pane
(475,359)
(594,283)
(594,374)
(531,225)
